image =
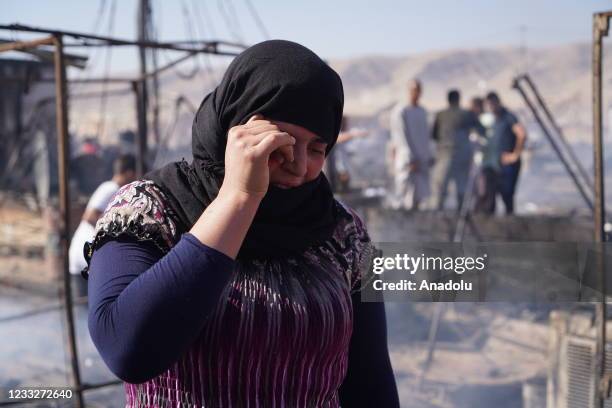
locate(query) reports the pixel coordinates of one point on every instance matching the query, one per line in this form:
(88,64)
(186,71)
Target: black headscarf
(283,81)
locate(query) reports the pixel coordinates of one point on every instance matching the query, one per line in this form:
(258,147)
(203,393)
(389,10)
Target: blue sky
(334,29)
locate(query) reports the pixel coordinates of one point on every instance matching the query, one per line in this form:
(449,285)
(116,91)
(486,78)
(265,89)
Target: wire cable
(202,32)
(203,16)
(91,60)
(231,24)
(235,18)
(258,21)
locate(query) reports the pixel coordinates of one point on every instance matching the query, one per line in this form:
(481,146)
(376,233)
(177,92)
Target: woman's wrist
(224,223)
(239,198)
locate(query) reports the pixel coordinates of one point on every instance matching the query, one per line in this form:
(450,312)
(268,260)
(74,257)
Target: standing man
(509,136)
(454,151)
(488,179)
(410,150)
(124,172)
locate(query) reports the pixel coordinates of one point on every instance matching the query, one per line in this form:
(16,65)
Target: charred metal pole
(438,315)
(120,80)
(23,45)
(211,47)
(142,91)
(63,156)
(149,55)
(141,121)
(557,128)
(600,29)
(516,85)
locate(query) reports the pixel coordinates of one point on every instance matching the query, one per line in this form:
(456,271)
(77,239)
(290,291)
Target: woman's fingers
(272,141)
(261,127)
(276,159)
(255,121)
(252,150)
(253,118)
(286,152)
(257,125)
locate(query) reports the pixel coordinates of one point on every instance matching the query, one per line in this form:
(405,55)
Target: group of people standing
(424,160)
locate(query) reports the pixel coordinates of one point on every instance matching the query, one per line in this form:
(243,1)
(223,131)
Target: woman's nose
(298,166)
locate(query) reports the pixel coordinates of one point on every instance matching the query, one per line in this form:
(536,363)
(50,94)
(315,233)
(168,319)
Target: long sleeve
(369,381)
(409,137)
(399,139)
(397,127)
(146,308)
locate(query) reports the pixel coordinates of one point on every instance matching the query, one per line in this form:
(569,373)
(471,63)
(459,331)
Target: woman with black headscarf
(234,280)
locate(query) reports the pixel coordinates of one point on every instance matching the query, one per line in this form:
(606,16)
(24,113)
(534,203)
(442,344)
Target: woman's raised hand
(252,150)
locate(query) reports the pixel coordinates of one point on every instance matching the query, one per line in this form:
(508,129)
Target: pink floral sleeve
(137,210)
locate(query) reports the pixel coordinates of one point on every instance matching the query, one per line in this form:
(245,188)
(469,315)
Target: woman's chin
(283,186)
(286,186)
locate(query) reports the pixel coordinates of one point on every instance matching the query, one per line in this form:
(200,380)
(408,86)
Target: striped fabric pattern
(279,335)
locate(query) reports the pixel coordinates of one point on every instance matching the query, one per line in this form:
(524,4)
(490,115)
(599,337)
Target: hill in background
(373,83)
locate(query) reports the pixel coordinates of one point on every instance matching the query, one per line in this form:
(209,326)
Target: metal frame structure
(592,191)
(557,140)
(55,38)
(601,25)
(603,385)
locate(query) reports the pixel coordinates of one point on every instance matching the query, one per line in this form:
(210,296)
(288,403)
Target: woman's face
(308,155)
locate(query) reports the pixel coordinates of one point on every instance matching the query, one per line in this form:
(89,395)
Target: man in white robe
(411,151)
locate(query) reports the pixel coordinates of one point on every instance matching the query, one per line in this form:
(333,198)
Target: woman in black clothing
(234,280)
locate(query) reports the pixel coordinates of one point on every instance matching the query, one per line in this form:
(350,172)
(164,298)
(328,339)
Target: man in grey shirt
(454,151)
(508,140)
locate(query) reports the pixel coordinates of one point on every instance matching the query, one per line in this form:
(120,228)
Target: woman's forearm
(225,222)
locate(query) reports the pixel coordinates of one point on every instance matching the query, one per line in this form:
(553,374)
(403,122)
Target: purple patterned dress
(279,335)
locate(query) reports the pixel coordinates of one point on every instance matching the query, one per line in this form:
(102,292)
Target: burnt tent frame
(601,26)
(56,40)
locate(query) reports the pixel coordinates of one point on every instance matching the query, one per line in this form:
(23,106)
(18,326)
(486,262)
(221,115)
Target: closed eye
(318,151)
(318,147)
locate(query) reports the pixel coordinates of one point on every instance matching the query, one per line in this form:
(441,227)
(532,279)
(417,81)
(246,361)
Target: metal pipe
(63,157)
(100,80)
(209,47)
(209,43)
(169,65)
(438,315)
(554,144)
(112,93)
(125,79)
(600,29)
(143,17)
(24,45)
(216,42)
(164,46)
(557,128)
(141,120)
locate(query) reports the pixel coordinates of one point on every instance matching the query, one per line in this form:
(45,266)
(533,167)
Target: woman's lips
(287,185)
